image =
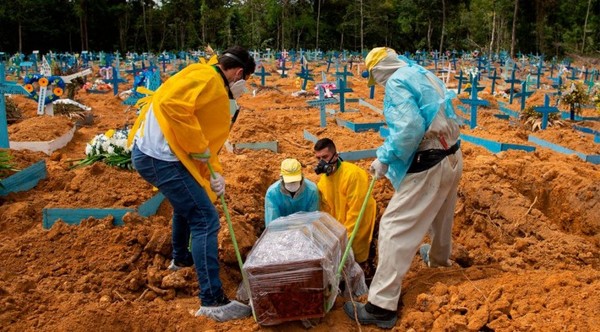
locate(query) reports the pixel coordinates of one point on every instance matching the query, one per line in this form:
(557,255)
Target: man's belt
(426,159)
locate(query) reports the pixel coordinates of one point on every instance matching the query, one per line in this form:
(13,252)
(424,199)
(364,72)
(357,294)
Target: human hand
(378,169)
(217,184)
(203,157)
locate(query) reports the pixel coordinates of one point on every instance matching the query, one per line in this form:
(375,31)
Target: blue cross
(523,94)
(454,59)
(461,78)
(283,68)
(475,79)
(574,72)
(493,78)
(329,62)
(262,73)
(306,76)
(474,102)
(6,87)
(435,59)
(481,62)
(539,71)
(322,102)
(546,110)
(115,80)
(557,85)
(512,82)
(344,74)
(342,91)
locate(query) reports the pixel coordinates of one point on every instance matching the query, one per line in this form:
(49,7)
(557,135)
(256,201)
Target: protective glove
(217,184)
(203,157)
(378,169)
(238,88)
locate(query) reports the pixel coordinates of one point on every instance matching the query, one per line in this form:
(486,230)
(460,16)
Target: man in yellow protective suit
(343,188)
(422,159)
(177,134)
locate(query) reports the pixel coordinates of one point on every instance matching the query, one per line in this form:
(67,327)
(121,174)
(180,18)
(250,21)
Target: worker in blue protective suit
(422,159)
(291,193)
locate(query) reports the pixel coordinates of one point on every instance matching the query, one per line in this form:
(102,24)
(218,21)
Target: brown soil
(526,233)
(39,129)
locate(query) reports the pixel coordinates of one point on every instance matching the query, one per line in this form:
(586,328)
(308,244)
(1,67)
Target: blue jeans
(193,214)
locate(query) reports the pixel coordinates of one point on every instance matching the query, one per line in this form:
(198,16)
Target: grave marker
(341,90)
(6,87)
(546,110)
(523,94)
(262,73)
(474,102)
(322,103)
(512,82)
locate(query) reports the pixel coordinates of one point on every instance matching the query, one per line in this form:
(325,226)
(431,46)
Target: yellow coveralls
(342,194)
(192,109)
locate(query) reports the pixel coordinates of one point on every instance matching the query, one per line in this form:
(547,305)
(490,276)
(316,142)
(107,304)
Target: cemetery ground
(526,233)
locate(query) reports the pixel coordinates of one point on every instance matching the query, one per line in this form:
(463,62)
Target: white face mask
(237,88)
(292,186)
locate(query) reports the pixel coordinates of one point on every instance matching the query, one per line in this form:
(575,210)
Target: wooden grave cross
(539,72)
(493,78)
(6,87)
(262,73)
(546,110)
(523,94)
(461,78)
(574,71)
(435,59)
(512,82)
(344,74)
(322,103)
(474,102)
(283,68)
(306,76)
(329,62)
(341,90)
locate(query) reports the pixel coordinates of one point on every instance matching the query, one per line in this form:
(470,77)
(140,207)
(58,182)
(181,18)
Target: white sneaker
(176,267)
(230,311)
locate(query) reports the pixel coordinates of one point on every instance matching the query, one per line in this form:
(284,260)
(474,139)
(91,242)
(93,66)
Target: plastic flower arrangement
(110,148)
(575,96)
(327,87)
(98,85)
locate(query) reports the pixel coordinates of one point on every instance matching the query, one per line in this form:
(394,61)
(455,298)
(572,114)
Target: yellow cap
(373,58)
(291,170)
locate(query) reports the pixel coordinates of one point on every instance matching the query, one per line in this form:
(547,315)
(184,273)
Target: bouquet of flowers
(110,147)
(98,85)
(327,87)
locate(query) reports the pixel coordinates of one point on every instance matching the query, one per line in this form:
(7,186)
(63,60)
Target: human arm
(272,211)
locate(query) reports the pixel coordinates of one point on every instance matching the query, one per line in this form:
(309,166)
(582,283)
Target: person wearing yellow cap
(177,134)
(291,193)
(343,189)
(422,159)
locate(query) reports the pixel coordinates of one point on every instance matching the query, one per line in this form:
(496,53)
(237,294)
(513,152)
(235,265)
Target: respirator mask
(327,167)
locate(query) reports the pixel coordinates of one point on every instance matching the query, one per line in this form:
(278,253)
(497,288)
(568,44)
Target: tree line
(551,27)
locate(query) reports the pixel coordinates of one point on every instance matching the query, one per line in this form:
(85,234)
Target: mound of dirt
(526,233)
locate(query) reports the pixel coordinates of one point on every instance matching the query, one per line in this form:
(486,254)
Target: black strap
(426,159)
(224,80)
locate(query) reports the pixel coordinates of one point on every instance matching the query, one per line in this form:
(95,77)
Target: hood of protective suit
(381,63)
